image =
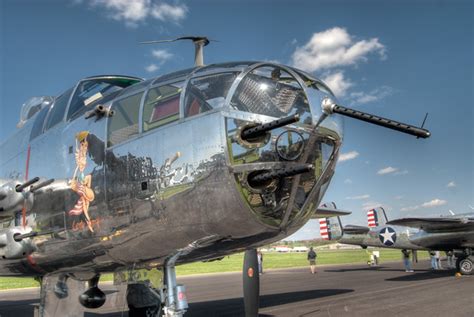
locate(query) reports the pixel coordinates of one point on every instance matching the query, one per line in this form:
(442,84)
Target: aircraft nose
(281,161)
(281,91)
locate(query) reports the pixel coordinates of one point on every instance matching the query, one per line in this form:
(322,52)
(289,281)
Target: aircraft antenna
(199,43)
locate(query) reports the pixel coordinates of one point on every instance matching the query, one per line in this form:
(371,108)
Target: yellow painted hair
(81,136)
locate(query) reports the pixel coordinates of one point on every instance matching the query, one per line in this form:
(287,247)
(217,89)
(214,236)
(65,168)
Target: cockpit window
(91,92)
(124,123)
(37,128)
(161,105)
(56,114)
(207,92)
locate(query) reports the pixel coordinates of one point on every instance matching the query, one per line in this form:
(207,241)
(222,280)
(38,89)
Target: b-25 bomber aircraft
(450,233)
(132,176)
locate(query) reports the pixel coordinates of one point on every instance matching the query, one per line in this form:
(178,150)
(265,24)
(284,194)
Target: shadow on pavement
(372,268)
(235,306)
(426,275)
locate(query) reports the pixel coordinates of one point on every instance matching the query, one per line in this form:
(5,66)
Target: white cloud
(387,170)
(433,203)
(377,94)
(166,12)
(161,55)
(338,83)
(451,184)
(152,68)
(366,196)
(333,48)
(348,156)
(348,181)
(133,12)
(398,197)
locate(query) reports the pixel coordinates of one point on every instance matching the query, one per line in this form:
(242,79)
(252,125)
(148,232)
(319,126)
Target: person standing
(434,263)
(450,258)
(438,260)
(312,260)
(406,260)
(260,262)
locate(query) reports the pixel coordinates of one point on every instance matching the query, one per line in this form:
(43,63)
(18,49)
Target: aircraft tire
(150,311)
(465,265)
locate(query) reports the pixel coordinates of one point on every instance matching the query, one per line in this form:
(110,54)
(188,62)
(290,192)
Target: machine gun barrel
(18,237)
(384,122)
(41,185)
(254,132)
(20,187)
(284,172)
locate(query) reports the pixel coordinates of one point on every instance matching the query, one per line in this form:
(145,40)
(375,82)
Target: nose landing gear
(465,265)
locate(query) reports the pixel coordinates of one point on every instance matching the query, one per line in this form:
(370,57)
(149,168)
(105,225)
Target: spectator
(260,262)
(312,260)
(406,260)
(434,263)
(438,260)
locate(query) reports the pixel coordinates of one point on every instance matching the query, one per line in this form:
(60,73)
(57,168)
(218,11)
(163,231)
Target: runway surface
(345,290)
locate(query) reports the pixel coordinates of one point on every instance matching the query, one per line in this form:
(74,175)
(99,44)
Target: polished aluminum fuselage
(180,188)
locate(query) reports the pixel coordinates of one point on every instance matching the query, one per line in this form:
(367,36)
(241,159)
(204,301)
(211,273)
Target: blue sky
(395,59)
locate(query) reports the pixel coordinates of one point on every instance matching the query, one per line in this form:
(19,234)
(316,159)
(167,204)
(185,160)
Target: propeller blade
(192,38)
(251,283)
(156,42)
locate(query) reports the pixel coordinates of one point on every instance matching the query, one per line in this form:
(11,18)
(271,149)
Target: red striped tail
(372,218)
(323,229)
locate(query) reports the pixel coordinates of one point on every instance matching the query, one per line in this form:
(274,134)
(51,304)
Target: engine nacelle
(13,249)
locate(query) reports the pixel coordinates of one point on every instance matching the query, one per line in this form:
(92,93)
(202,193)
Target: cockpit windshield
(92,91)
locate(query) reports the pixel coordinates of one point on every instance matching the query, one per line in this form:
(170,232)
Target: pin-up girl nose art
(81,183)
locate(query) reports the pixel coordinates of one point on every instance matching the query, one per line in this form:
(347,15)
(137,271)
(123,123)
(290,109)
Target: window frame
(42,127)
(111,107)
(74,116)
(184,82)
(46,121)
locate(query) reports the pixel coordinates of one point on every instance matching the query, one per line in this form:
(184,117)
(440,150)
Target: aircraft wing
(436,224)
(325,212)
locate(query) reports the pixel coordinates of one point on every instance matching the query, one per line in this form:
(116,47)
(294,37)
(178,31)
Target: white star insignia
(387,236)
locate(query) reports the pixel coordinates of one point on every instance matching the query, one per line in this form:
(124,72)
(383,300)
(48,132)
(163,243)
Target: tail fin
(376,217)
(330,228)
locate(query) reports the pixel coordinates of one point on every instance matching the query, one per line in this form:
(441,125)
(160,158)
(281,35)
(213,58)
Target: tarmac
(342,290)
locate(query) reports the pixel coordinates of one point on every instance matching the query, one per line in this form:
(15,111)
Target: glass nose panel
(271,91)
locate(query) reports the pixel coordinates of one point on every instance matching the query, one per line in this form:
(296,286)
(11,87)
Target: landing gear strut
(170,300)
(176,303)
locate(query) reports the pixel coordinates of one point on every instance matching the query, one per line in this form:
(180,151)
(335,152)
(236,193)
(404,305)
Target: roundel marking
(388,236)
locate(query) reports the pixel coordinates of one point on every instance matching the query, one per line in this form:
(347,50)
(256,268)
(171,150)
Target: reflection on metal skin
(173,178)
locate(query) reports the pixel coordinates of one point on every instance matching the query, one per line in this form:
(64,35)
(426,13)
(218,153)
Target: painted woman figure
(81,183)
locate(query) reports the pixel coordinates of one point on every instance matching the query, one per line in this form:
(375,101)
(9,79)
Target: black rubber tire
(150,311)
(465,265)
